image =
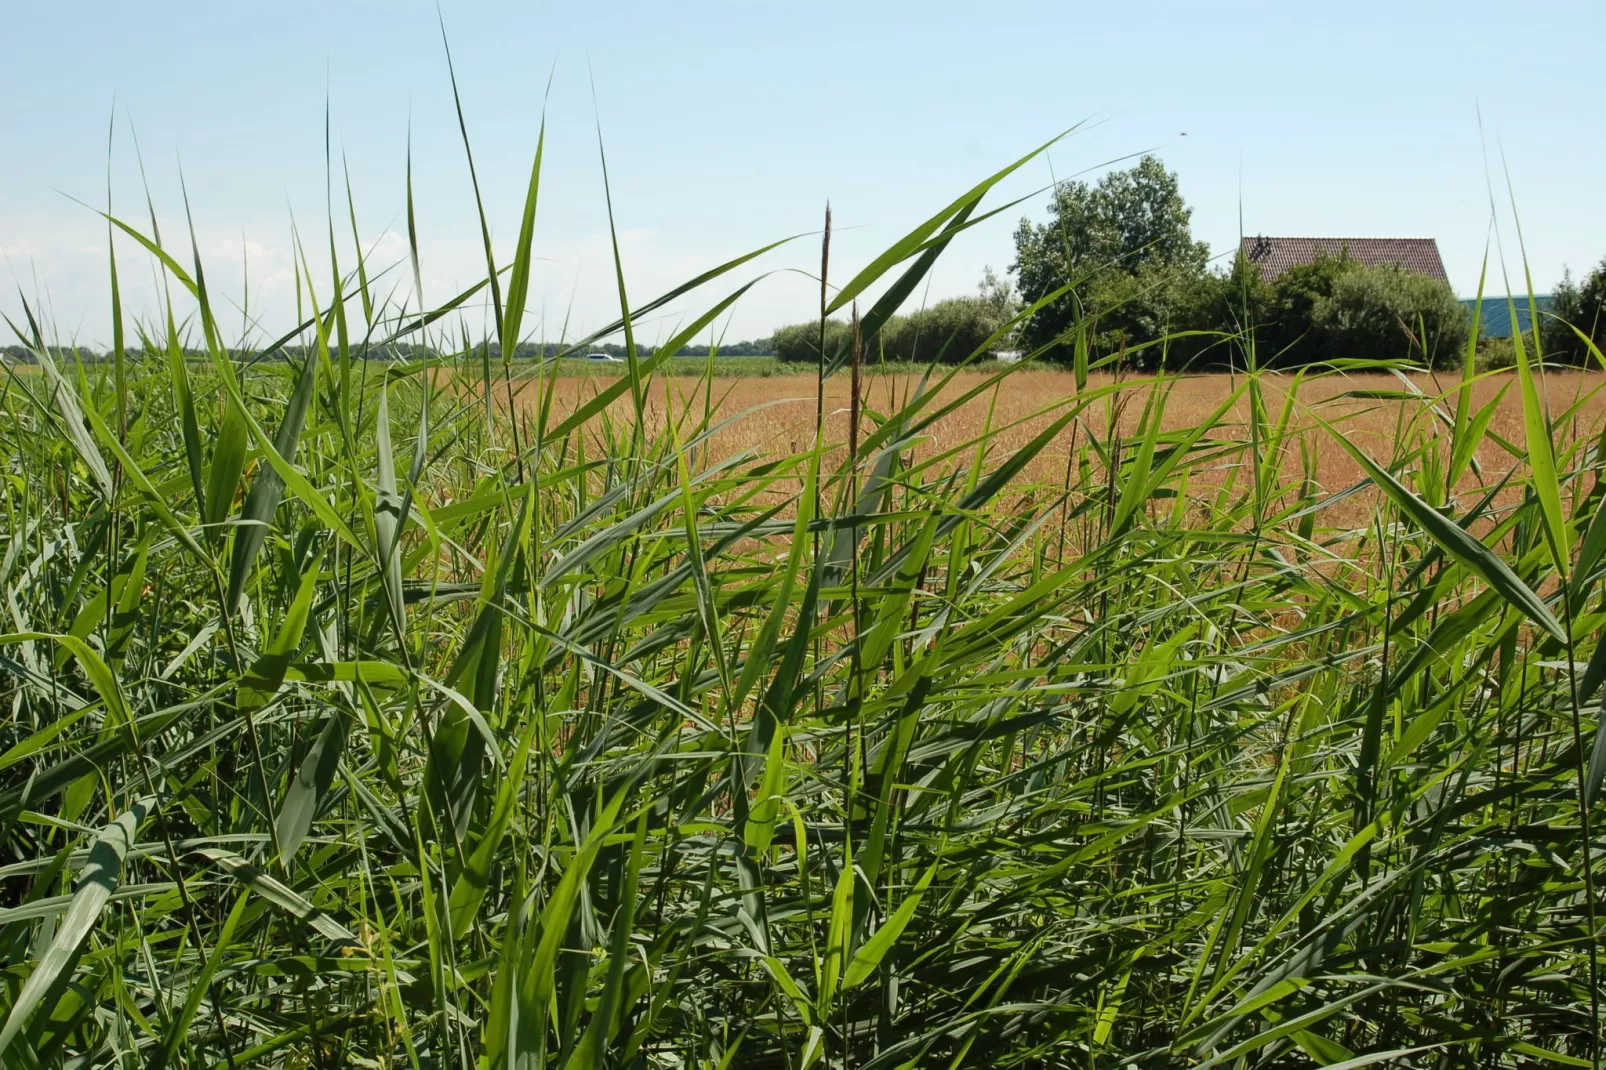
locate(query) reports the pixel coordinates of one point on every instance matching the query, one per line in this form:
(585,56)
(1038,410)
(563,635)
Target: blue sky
(728,125)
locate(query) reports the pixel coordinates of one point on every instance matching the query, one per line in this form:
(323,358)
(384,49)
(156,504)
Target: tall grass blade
(1457,542)
(96,883)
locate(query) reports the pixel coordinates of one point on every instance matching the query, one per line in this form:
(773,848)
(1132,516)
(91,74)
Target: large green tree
(1132,225)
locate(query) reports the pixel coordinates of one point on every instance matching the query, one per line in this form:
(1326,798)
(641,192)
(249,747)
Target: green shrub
(800,342)
(1386,313)
(1495,354)
(948,332)
(1160,314)
(1287,333)
(1335,307)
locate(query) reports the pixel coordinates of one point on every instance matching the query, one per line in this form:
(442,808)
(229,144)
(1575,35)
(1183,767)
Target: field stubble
(774,416)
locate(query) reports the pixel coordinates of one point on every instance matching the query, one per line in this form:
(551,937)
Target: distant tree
(1154,314)
(999,295)
(1580,305)
(1133,223)
(727,349)
(947,332)
(800,342)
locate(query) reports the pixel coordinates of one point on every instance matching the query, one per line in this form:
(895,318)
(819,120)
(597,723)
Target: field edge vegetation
(357,714)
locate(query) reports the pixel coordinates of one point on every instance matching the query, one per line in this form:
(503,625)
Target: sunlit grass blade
(96,883)
(1457,541)
(909,243)
(262,501)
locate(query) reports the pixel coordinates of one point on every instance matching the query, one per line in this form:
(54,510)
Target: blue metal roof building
(1494,320)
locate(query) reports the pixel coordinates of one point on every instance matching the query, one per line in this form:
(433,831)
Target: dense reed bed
(363,712)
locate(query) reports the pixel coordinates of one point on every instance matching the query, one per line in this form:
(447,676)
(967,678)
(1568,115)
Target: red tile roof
(1274,256)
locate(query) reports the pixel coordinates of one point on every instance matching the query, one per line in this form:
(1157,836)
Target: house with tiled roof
(1276,256)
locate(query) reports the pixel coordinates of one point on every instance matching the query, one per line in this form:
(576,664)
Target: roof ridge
(1341,237)
(1278,253)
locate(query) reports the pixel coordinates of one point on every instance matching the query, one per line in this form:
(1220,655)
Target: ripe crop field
(366,712)
(775,415)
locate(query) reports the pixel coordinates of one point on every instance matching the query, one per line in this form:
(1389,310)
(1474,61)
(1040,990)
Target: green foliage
(523,352)
(723,367)
(1236,306)
(1128,237)
(1498,354)
(1139,287)
(947,332)
(759,347)
(1286,327)
(1335,308)
(1581,306)
(1385,313)
(1135,309)
(800,342)
(535,737)
(998,295)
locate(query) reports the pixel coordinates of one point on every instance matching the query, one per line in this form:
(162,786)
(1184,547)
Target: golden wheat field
(775,416)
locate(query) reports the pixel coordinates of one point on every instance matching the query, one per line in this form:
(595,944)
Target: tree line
(946,332)
(525,351)
(1116,264)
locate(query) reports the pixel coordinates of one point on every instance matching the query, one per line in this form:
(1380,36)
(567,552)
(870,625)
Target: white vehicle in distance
(603,358)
